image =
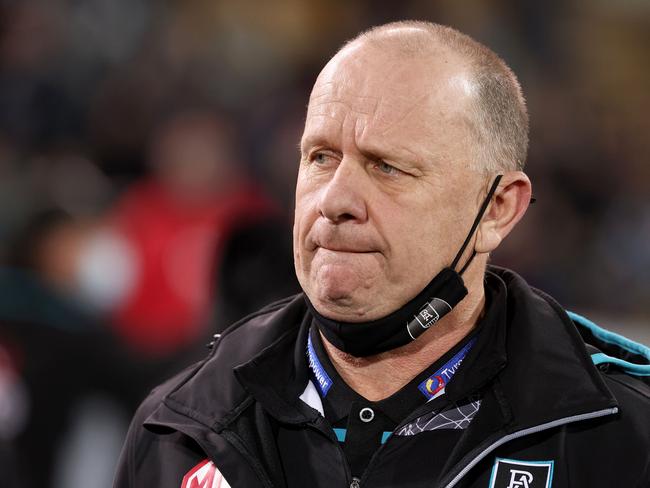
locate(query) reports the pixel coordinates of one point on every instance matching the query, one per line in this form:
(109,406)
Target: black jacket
(567,404)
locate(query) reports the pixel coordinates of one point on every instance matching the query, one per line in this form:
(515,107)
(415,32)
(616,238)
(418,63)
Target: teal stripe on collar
(630,368)
(611,337)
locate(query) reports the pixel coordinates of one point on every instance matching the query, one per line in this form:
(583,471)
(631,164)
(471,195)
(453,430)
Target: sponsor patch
(513,473)
(321,378)
(204,475)
(434,385)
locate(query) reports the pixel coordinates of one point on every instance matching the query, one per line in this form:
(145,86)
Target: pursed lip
(346,249)
(354,245)
(343,240)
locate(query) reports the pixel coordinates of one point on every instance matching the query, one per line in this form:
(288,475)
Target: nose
(343,197)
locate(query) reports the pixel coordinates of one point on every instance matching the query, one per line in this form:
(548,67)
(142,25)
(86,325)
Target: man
(407,361)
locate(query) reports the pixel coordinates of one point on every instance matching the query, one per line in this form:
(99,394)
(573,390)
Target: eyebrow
(314,140)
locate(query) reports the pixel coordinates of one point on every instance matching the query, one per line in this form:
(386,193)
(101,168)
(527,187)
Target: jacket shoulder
(214,378)
(211,379)
(158,394)
(137,438)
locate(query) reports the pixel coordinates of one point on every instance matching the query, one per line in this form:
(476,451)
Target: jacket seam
(239,445)
(216,426)
(229,436)
(181,409)
(233,415)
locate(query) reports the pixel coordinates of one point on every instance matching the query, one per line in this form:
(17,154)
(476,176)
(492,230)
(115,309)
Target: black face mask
(406,324)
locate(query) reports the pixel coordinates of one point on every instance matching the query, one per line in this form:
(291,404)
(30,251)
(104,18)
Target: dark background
(148,152)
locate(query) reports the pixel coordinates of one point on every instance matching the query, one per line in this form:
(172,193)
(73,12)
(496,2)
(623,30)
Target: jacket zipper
(325,427)
(525,432)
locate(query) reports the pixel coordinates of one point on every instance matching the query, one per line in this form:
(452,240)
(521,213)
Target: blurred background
(148,152)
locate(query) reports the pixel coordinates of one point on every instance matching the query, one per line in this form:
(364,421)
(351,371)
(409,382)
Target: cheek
(422,241)
(306,190)
(299,231)
(304,217)
(405,225)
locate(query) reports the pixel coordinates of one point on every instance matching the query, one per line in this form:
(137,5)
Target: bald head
(495,106)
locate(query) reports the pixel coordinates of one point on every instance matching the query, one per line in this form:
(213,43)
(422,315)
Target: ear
(508,206)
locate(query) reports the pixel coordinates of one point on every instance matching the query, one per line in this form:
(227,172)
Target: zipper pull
(211,344)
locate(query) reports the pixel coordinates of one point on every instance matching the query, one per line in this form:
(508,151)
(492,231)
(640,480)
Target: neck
(378,377)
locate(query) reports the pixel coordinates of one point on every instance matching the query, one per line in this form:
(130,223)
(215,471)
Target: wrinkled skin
(386,190)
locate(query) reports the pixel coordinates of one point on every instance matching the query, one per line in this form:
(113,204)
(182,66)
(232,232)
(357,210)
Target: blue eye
(320,158)
(386,168)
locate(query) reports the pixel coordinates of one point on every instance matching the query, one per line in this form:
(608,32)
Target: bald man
(407,361)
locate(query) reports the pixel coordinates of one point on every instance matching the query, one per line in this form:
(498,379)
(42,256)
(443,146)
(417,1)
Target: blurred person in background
(175,223)
(64,276)
(407,360)
(56,352)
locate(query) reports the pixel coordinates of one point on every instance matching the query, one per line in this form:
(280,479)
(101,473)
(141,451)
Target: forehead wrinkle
(337,95)
(352,108)
(335,88)
(338,91)
(393,123)
(384,149)
(386,121)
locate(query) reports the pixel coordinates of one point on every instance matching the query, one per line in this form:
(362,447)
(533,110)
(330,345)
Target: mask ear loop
(477,221)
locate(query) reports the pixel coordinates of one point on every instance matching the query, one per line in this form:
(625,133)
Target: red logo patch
(204,475)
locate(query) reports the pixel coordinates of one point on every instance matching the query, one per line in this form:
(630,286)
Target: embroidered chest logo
(512,473)
(204,475)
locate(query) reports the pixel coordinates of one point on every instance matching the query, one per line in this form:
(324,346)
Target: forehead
(389,100)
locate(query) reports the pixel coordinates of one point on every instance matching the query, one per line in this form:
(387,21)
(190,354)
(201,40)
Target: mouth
(346,249)
(342,242)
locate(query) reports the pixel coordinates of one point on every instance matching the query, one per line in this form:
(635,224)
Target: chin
(338,293)
(344,307)
(334,304)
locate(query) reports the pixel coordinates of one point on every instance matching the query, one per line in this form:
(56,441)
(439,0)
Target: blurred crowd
(148,151)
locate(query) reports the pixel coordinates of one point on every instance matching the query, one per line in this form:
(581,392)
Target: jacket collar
(549,374)
(212,394)
(542,367)
(277,377)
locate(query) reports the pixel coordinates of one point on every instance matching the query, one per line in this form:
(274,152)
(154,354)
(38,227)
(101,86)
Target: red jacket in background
(176,245)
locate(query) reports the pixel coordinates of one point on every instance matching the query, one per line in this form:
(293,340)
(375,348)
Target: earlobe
(508,206)
(487,239)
